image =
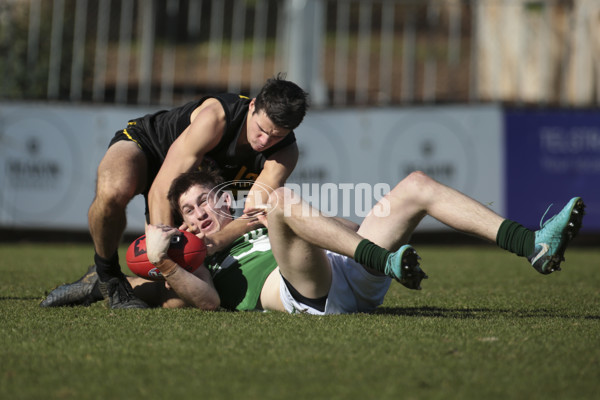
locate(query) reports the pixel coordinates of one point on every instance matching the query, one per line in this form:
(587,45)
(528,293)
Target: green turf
(485,326)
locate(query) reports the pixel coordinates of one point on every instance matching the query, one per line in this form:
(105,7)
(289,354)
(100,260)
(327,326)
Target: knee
(282,196)
(416,184)
(121,175)
(113,194)
(276,201)
(419,179)
(283,202)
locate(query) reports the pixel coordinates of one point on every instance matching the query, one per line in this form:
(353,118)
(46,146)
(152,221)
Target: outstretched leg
(418,195)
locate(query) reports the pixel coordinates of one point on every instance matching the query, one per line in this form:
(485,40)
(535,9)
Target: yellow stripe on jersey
(130,138)
(243,97)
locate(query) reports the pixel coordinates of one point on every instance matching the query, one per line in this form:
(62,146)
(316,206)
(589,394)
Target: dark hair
(207,177)
(284,102)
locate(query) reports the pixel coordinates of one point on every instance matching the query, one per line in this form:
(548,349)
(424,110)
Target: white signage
(459,146)
(48,160)
(49,155)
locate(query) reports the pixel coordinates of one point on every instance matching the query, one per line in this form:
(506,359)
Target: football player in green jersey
(288,268)
(354,273)
(253,273)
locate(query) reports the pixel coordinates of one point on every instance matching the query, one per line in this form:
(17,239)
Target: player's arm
(195,289)
(274,174)
(186,153)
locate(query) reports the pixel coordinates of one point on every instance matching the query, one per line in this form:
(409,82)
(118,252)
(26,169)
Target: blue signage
(551,156)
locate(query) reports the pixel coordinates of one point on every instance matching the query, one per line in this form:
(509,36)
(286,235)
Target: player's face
(203,212)
(262,133)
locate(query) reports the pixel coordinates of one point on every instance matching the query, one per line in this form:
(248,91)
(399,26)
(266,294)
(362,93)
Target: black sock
(107,268)
(371,255)
(515,238)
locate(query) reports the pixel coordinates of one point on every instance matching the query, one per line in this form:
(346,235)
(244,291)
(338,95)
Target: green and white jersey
(240,271)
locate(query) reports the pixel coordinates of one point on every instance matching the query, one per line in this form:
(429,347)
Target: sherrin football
(187,250)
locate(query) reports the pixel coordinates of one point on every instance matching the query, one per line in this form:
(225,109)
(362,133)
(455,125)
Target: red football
(187,250)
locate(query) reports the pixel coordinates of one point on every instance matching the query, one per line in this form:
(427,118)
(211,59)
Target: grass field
(485,326)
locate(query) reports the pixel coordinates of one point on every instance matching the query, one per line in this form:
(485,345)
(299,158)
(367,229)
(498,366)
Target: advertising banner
(48,160)
(353,155)
(551,156)
(349,159)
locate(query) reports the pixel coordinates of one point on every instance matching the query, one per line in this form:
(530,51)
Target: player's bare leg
(310,224)
(121,175)
(418,195)
(302,262)
(298,233)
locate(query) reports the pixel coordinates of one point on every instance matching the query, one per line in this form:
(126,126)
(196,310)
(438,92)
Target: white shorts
(353,289)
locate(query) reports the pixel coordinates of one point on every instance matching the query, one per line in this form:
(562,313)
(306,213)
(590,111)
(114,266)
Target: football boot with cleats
(117,290)
(82,292)
(403,266)
(554,235)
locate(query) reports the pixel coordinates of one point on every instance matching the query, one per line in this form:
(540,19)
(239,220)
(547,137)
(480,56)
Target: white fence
(345,52)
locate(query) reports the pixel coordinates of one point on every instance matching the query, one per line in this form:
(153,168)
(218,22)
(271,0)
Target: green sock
(371,255)
(515,238)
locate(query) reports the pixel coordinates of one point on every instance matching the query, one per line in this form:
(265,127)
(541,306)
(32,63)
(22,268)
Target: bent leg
(270,298)
(121,175)
(395,217)
(298,235)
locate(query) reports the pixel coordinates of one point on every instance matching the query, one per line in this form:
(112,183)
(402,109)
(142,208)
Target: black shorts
(136,135)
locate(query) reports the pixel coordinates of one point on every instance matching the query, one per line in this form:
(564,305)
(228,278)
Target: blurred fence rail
(344,52)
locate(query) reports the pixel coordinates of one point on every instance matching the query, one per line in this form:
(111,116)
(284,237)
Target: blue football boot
(403,266)
(553,236)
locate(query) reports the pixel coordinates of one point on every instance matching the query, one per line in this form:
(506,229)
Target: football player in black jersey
(248,139)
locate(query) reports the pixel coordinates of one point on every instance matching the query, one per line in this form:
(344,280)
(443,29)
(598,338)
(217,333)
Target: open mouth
(206,225)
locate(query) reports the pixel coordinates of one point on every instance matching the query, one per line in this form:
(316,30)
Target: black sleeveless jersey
(156,132)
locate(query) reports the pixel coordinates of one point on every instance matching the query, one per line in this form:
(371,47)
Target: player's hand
(185,227)
(257,215)
(158,239)
(209,242)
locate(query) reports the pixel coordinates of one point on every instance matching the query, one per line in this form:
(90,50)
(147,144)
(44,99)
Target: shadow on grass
(436,312)
(476,313)
(4,298)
